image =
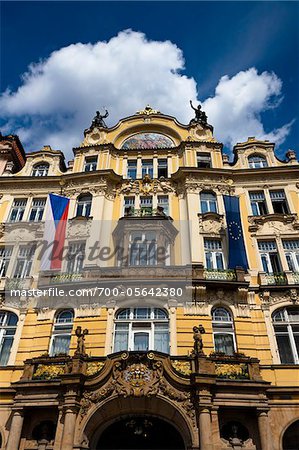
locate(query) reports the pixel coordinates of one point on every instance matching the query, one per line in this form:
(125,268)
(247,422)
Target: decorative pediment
(273,222)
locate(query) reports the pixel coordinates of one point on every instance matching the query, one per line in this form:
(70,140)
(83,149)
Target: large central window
(141,329)
(143,248)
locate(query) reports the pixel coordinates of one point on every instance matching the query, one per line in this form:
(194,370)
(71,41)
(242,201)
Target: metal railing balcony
(218,274)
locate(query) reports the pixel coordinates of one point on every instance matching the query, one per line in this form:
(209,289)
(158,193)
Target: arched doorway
(140,432)
(166,418)
(290,439)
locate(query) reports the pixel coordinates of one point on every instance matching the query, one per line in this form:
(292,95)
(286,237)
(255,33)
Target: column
(173,330)
(70,416)
(263,424)
(205,429)
(15,430)
(184,231)
(155,166)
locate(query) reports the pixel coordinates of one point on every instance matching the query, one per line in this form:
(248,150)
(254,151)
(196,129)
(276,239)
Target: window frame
(257,164)
(208,202)
(58,326)
(203,160)
(135,325)
(84,204)
(215,253)
(3,336)
(19,209)
(40,169)
(257,205)
(227,325)
(90,163)
(38,209)
(289,332)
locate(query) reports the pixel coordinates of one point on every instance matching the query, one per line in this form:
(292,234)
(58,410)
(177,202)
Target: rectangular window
(90,163)
(129,203)
(18,209)
(291,249)
(75,257)
(163,204)
(162,168)
(203,160)
(132,169)
(269,256)
(147,167)
(214,254)
(24,261)
(121,337)
(208,202)
(279,202)
(143,248)
(37,209)
(5,254)
(258,203)
(146,205)
(161,337)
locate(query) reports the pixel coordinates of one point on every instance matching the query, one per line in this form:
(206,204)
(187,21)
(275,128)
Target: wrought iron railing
(145,212)
(276,278)
(217,274)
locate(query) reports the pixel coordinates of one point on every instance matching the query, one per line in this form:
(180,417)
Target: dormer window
(203,160)
(257,162)
(84,205)
(90,163)
(40,170)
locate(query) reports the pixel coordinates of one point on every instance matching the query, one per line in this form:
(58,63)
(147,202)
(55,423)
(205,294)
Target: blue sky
(216,39)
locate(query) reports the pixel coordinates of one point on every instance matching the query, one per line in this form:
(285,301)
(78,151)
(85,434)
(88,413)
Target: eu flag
(236,247)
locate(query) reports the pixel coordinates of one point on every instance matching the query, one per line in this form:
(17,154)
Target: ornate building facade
(210,365)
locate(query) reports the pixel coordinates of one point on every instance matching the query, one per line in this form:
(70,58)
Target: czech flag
(54,234)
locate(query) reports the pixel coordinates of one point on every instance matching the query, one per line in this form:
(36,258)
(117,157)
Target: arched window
(40,170)
(8,326)
(257,161)
(290,439)
(208,202)
(286,327)
(84,205)
(223,331)
(62,332)
(141,329)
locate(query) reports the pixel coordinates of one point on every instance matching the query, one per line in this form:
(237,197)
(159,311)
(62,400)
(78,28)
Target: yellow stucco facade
(150,167)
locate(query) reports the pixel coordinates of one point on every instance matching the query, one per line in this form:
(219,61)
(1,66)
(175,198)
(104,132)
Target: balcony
(145,212)
(217,274)
(274,278)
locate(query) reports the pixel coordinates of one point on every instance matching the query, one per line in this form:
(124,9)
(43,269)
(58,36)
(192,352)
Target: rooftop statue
(200,116)
(98,121)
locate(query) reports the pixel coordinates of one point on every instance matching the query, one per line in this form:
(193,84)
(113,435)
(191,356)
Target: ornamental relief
(277,223)
(147,186)
(211,223)
(138,376)
(79,227)
(275,298)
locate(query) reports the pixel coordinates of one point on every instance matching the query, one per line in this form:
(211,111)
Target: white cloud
(59,96)
(235,110)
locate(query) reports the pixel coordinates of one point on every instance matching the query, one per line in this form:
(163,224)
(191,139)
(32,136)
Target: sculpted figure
(81,341)
(197,337)
(98,120)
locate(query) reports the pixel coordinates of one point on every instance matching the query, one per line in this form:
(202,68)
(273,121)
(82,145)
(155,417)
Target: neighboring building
(143,377)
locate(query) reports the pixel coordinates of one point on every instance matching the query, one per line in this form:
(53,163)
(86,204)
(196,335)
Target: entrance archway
(140,432)
(290,439)
(108,417)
